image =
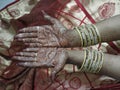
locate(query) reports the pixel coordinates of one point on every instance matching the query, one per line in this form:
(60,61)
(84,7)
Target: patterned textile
(25,13)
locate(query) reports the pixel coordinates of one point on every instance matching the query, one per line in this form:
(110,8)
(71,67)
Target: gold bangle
(93,61)
(102,60)
(79,35)
(97,33)
(83,60)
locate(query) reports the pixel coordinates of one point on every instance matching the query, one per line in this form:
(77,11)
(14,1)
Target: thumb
(53,20)
(61,58)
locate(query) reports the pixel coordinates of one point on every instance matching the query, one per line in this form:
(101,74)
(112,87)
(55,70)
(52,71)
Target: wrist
(88,35)
(72,38)
(75,57)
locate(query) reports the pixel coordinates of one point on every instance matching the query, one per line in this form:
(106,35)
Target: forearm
(108,29)
(110,65)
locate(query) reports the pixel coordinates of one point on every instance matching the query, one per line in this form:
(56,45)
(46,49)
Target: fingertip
(18,36)
(22,64)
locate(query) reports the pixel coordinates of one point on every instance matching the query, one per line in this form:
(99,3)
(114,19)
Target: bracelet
(97,33)
(79,35)
(93,61)
(101,63)
(89,35)
(81,68)
(85,35)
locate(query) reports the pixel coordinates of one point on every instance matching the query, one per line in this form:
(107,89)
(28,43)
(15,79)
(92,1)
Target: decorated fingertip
(23,64)
(18,36)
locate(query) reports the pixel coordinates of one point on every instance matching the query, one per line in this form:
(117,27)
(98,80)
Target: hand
(43,57)
(47,35)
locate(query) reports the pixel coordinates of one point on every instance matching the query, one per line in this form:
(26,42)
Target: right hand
(43,57)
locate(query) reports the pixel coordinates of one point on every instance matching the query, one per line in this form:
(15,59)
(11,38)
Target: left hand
(46,35)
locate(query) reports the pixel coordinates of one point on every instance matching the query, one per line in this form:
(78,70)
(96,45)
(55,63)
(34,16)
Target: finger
(31,49)
(23,58)
(56,23)
(34,64)
(53,20)
(26,54)
(28,40)
(34,44)
(26,35)
(30,29)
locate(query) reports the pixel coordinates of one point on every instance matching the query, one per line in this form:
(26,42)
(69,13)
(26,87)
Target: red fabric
(114,47)
(35,17)
(38,78)
(85,11)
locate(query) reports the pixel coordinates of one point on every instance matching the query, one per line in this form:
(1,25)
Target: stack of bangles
(89,35)
(93,59)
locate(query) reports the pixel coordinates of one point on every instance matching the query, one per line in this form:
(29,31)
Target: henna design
(47,35)
(42,44)
(42,57)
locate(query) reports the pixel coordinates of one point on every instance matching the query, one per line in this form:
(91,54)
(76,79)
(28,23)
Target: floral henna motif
(46,55)
(43,43)
(48,38)
(41,36)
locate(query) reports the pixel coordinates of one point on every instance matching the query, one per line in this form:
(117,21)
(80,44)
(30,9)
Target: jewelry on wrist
(93,61)
(89,35)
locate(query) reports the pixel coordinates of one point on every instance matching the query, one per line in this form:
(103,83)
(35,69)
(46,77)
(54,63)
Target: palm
(43,42)
(42,57)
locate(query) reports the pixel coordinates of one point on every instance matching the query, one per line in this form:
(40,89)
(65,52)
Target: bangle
(80,68)
(101,63)
(85,35)
(97,33)
(89,35)
(81,39)
(93,61)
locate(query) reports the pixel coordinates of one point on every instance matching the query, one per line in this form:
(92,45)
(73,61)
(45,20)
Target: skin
(59,37)
(110,66)
(47,35)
